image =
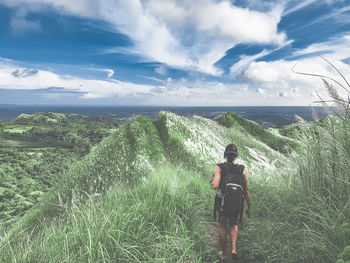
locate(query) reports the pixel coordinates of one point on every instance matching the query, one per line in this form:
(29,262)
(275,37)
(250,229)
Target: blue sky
(170,52)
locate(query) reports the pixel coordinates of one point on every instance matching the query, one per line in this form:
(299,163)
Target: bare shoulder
(217,169)
(245,171)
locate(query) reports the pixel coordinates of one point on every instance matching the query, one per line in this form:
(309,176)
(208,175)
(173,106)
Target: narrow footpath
(213,240)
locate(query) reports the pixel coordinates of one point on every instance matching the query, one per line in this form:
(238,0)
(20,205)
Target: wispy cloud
(245,61)
(85,8)
(337,48)
(20,24)
(298,6)
(161,70)
(13,77)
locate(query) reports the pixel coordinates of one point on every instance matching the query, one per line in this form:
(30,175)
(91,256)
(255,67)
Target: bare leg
(222,237)
(234,235)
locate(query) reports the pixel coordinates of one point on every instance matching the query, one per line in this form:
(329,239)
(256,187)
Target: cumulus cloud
(277,79)
(219,19)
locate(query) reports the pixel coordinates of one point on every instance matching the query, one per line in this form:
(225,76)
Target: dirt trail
(213,240)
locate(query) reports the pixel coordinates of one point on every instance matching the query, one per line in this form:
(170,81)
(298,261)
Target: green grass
(12,143)
(17,128)
(121,158)
(143,195)
(158,221)
(276,142)
(324,177)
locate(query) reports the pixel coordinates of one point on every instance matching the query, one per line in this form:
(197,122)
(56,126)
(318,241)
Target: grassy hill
(143,195)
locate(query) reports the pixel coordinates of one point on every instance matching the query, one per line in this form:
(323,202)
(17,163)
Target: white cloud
(219,19)
(191,34)
(277,79)
(204,93)
(43,79)
(150,78)
(84,8)
(245,61)
(110,72)
(274,79)
(206,29)
(336,49)
(151,37)
(261,91)
(168,92)
(264,83)
(161,70)
(299,6)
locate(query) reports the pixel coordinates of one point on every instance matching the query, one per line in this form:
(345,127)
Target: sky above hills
(171,52)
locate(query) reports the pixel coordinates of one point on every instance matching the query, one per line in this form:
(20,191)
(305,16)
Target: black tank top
(229,168)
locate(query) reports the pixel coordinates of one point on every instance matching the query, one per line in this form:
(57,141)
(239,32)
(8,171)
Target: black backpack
(231,200)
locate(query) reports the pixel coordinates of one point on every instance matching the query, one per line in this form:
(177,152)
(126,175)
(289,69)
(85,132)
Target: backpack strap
(241,169)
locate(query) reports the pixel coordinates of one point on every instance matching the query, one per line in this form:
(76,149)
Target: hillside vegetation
(143,195)
(35,150)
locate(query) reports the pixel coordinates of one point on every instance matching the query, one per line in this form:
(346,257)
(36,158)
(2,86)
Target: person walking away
(231,181)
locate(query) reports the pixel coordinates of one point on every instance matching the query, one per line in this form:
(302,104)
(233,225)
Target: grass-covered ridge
(143,195)
(123,164)
(273,140)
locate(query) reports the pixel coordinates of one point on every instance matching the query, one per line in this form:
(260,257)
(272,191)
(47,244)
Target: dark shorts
(228,221)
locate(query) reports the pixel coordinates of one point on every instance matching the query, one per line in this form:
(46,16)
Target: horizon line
(154,106)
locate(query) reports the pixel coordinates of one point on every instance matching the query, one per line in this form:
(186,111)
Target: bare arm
(217,177)
(246,192)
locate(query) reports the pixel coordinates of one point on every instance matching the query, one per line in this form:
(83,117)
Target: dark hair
(231,152)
